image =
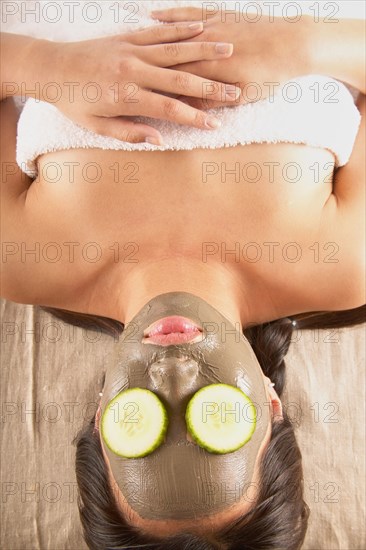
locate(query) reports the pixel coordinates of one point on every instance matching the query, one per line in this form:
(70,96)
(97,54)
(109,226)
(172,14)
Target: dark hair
(278,519)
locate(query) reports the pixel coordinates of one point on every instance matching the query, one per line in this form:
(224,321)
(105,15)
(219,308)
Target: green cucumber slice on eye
(134,423)
(212,425)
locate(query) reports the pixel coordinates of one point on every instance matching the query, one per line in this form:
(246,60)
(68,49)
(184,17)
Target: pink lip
(172,330)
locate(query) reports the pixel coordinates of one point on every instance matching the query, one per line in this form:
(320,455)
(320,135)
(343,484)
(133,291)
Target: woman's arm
(344,223)
(271,51)
(126,75)
(13,190)
(338,50)
(13,182)
(20,71)
(349,185)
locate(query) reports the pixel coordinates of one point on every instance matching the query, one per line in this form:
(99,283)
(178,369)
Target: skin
(218,211)
(185,482)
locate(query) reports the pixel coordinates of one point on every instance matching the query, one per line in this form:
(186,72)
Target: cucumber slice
(212,425)
(134,423)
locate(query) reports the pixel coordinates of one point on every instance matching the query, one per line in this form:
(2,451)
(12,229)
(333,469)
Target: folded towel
(290,115)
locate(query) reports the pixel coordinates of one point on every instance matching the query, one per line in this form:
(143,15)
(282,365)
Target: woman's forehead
(186,482)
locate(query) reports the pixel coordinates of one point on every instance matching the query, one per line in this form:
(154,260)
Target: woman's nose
(174,378)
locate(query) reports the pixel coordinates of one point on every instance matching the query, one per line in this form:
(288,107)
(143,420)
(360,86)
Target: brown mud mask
(180,480)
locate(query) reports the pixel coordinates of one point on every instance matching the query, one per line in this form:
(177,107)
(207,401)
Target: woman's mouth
(172,330)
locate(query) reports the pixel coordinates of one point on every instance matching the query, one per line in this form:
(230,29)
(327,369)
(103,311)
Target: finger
(201,104)
(176,53)
(158,34)
(123,129)
(182,83)
(205,104)
(199,68)
(166,108)
(184,14)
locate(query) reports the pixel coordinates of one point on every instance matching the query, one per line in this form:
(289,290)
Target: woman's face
(180,480)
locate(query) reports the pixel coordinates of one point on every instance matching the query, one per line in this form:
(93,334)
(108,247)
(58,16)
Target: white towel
(315,110)
(43,128)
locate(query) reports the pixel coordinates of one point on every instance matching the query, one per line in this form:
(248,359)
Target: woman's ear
(97,418)
(276,405)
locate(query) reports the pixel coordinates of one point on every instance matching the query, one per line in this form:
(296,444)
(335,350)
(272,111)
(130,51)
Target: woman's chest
(178,201)
(92,213)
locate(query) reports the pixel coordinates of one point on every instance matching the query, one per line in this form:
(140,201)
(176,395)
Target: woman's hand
(267,52)
(114,77)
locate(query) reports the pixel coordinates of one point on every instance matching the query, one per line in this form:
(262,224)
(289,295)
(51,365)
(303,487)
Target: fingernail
(232,92)
(195,26)
(223,48)
(212,122)
(155,13)
(154,140)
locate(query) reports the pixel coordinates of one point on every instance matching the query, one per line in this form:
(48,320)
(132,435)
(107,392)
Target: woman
(191,266)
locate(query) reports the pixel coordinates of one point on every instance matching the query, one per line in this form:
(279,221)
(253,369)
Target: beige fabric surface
(57,370)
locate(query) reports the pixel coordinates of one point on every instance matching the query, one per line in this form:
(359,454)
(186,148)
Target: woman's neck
(120,296)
